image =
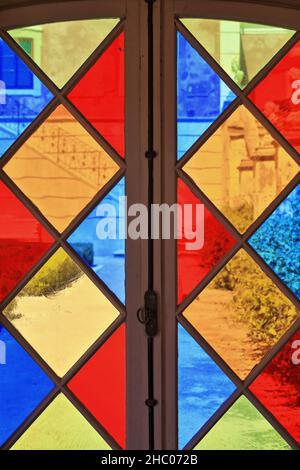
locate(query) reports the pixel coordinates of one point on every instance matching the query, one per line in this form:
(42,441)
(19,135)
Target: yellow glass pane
(59,49)
(243,427)
(241,168)
(241,49)
(61,168)
(241,313)
(61,427)
(61,312)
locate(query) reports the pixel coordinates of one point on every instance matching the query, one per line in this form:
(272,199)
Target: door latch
(148,314)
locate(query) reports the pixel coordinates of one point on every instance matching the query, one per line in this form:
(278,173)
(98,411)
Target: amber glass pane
(241,313)
(242,49)
(61,48)
(61,312)
(241,168)
(61,427)
(243,427)
(61,168)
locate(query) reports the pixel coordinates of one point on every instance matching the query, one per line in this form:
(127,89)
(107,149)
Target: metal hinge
(148,314)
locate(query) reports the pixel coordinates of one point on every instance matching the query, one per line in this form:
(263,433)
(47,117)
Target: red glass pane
(100,94)
(23,241)
(100,385)
(278,386)
(278,96)
(194,265)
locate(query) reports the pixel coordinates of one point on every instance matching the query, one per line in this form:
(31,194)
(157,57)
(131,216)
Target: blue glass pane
(277,241)
(22,96)
(202,387)
(100,240)
(201,95)
(23,385)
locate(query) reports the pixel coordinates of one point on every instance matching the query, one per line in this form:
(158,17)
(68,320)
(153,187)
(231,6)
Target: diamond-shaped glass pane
(100,240)
(99,95)
(241,314)
(241,49)
(201,95)
(198,253)
(61,312)
(241,168)
(100,385)
(243,428)
(278,96)
(60,168)
(61,427)
(202,387)
(23,241)
(59,49)
(278,386)
(23,385)
(22,97)
(277,241)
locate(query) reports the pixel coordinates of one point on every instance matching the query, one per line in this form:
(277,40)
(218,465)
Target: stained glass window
(63,251)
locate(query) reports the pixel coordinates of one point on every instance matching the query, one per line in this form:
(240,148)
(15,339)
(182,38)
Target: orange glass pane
(60,168)
(241,168)
(61,312)
(241,314)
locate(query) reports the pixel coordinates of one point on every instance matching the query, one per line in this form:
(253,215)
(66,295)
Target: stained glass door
(67,161)
(231,376)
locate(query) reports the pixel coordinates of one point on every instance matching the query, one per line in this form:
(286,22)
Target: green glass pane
(242,428)
(27,45)
(59,49)
(242,49)
(61,427)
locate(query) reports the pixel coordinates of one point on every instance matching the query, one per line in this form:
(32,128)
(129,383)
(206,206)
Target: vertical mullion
(169,248)
(157,245)
(136,250)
